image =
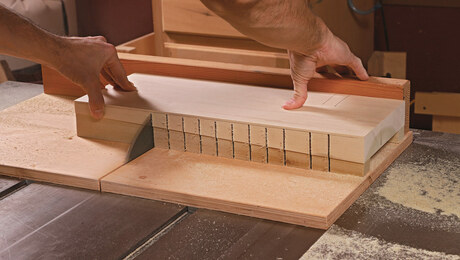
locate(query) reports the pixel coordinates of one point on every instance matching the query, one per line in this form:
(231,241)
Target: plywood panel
(39,142)
(266,191)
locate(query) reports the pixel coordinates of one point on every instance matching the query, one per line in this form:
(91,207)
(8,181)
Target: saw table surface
(411,211)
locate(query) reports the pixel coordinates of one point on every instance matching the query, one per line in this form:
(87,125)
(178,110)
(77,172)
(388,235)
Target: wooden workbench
(410,211)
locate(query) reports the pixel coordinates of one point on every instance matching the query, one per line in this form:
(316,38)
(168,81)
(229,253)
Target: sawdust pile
(339,243)
(432,187)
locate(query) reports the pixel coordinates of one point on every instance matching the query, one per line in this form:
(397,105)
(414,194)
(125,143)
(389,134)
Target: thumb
(96,102)
(303,68)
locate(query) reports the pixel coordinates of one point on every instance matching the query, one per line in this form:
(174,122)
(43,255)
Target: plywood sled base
(303,197)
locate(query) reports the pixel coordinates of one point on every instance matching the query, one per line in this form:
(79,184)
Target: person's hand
(84,59)
(333,52)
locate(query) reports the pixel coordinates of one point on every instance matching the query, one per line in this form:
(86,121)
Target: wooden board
(39,142)
(446,124)
(191,16)
(437,103)
(303,197)
(354,127)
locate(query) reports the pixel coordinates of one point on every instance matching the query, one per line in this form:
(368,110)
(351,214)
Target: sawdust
(431,187)
(339,243)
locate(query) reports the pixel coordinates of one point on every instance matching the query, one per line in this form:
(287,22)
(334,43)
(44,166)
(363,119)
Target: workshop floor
(411,211)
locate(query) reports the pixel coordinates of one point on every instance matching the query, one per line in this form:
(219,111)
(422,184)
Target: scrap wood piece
(38,142)
(309,198)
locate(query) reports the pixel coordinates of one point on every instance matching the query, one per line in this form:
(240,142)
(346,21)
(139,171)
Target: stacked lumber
(331,132)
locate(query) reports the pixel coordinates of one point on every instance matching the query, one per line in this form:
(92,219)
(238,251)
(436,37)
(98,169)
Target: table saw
(405,213)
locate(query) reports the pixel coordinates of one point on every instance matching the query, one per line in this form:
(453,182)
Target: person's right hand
(333,52)
(84,59)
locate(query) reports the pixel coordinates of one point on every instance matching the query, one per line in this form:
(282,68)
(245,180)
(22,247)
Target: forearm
(21,38)
(287,24)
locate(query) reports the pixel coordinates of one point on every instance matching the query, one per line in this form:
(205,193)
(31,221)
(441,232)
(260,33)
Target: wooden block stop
(176,140)
(319,163)
(208,145)
(258,153)
(161,138)
(120,131)
(275,156)
(241,151)
(192,143)
(298,160)
(225,148)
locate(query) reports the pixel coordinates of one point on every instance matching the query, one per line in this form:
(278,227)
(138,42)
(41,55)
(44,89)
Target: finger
(302,70)
(116,70)
(108,78)
(96,101)
(357,66)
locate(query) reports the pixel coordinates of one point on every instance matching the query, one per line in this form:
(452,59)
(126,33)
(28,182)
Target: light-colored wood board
(191,125)
(319,163)
(208,145)
(298,160)
(275,156)
(291,195)
(354,168)
(161,137)
(158,120)
(224,148)
(106,129)
(257,135)
(224,130)
(176,140)
(39,142)
(446,124)
(207,127)
(192,143)
(320,144)
(241,151)
(241,133)
(258,153)
(297,141)
(275,138)
(437,103)
(372,119)
(191,16)
(228,55)
(175,122)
